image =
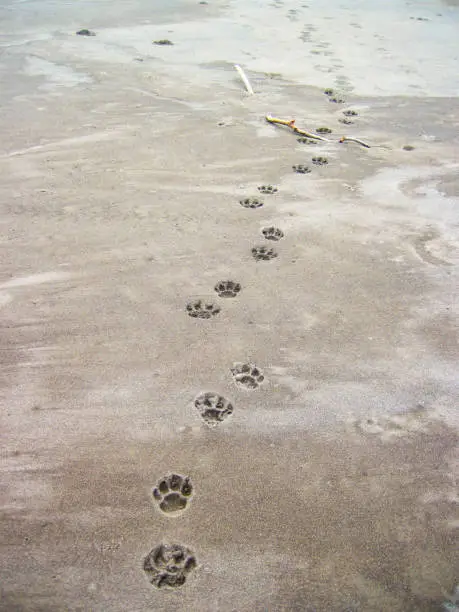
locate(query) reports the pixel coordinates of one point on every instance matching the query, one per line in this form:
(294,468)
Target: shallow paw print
(272,233)
(173,493)
(324,130)
(247,375)
(329,92)
(213,408)
(396,425)
(268,189)
(320,161)
(228,289)
(263,253)
(309,141)
(337,99)
(202,310)
(168,565)
(251,203)
(301,169)
(346,121)
(350,113)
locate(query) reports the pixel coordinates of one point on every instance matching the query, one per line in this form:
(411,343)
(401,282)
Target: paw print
(328,92)
(309,141)
(251,203)
(247,375)
(300,169)
(168,565)
(272,233)
(172,493)
(320,161)
(323,130)
(337,99)
(262,253)
(345,121)
(227,288)
(202,310)
(267,189)
(213,408)
(350,113)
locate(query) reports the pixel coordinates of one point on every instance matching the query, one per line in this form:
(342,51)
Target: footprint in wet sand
(396,425)
(309,141)
(202,310)
(168,565)
(213,408)
(263,253)
(268,189)
(272,233)
(301,169)
(324,130)
(421,247)
(247,376)
(350,113)
(228,289)
(346,121)
(320,161)
(251,203)
(173,493)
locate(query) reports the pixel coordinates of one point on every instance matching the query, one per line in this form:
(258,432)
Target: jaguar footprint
(262,253)
(227,289)
(272,233)
(202,310)
(247,375)
(213,408)
(173,493)
(168,565)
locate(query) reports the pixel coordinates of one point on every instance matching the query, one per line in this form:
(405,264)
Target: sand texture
(229,358)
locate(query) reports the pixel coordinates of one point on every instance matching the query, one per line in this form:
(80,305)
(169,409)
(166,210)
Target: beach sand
(332,486)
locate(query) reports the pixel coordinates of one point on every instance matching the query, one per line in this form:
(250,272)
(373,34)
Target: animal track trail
(301,169)
(168,565)
(202,310)
(213,408)
(272,233)
(247,376)
(267,189)
(263,253)
(227,289)
(251,203)
(173,493)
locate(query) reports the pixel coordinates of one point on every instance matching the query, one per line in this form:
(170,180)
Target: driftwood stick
(244,79)
(291,125)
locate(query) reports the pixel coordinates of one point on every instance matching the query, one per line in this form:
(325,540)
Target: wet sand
(332,485)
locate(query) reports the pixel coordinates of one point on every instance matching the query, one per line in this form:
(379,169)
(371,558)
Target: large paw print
(262,253)
(272,233)
(247,375)
(202,310)
(172,493)
(213,408)
(251,203)
(301,169)
(309,141)
(168,565)
(228,289)
(320,161)
(269,189)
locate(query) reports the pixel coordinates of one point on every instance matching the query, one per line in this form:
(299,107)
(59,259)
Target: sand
(332,485)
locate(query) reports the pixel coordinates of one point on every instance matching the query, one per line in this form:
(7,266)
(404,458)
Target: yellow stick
(291,125)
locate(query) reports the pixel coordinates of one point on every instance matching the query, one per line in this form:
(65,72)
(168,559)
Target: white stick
(245,80)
